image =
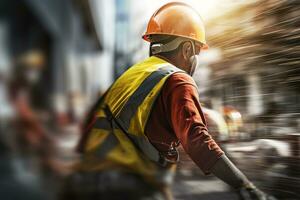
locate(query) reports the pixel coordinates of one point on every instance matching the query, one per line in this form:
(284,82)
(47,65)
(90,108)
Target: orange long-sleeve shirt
(177,115)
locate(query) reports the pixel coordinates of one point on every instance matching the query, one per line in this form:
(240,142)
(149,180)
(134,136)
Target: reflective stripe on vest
(130,108)
(130,100)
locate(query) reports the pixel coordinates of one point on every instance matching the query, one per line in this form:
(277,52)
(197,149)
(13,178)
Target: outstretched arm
(189,125)
(225,170)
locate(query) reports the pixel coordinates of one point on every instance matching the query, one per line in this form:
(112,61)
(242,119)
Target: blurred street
(191,184)
(58,57)
(199,187)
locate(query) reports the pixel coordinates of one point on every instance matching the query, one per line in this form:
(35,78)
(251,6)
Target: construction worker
(130,138)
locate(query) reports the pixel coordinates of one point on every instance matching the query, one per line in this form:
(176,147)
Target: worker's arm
(189,125)
(225,170)
(188,122)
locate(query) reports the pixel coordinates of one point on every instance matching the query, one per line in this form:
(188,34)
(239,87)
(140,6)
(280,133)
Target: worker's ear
(186,50)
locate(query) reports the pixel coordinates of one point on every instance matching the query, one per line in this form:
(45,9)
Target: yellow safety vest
(118,133)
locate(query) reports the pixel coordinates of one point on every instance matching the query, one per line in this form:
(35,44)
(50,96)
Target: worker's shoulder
(180,78)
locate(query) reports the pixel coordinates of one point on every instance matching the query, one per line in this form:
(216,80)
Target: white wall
(255,101)
(103,63)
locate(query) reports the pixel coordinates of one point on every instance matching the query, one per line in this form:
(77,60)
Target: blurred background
(58,56)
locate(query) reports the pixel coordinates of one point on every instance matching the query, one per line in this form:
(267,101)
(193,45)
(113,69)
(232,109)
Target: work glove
(250,192)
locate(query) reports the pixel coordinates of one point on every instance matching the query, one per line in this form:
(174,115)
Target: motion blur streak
(58,56)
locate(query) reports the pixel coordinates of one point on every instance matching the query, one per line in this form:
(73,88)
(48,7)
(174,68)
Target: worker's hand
(250,192)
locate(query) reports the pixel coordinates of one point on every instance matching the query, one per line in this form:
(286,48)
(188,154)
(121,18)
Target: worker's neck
(174,61)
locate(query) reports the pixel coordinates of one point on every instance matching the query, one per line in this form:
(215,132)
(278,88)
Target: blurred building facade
(131,21)
(71,46)
(257,67)
(76,38)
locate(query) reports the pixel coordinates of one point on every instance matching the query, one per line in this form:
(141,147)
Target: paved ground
(281,179)
(191,184)
(202,188)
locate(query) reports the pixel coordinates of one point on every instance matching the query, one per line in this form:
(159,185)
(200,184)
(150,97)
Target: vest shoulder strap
(132,105)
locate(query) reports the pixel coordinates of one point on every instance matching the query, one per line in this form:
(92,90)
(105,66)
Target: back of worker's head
(160,40)
(175,31)
(180,51)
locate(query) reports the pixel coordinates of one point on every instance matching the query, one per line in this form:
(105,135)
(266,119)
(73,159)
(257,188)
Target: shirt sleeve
(188,122)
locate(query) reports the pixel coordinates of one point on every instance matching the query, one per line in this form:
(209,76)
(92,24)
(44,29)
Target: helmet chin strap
(193,59)
(194,48)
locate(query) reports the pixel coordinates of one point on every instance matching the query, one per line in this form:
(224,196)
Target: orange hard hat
(176,19)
